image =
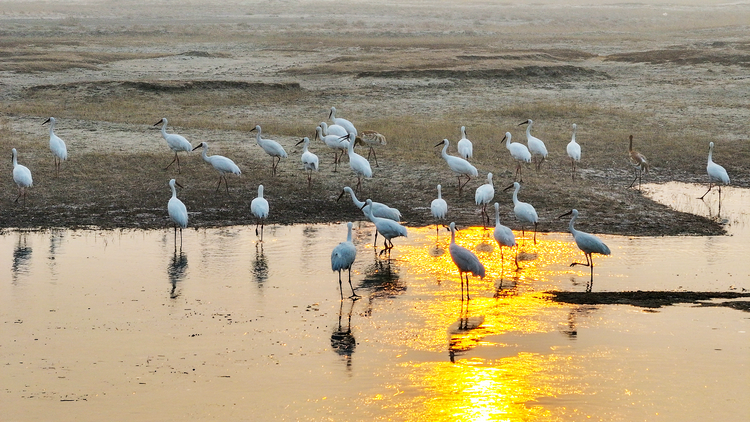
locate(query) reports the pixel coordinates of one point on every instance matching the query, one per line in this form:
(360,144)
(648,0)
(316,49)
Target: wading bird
(57,145)
(309,160)
(175,142)
(459,166)
(639,163)
(536,146)
(271,147)
(334,142)
(220,163)
(483,197)
(177,211)
(372,139)
(359,164)
(466,262)
(574,152)
(504,235)
(587,243)
(464,146)
(439,208)
(22,177)
(378,209)
(519,152)
(524,212)
(342,258)
(386,227)
(346,124)
(716,173)
(259,208)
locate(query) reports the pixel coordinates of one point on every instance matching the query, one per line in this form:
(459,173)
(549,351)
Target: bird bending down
(439,208)
(574,152)
(347,125)
(524,212)
(639,163)
(358,163)
(716,173)
(587,243)
(175,142)
(483,196)
(309,160)
(22,177)
(466,262)
(459,166)
(259,208)
(386,227)
(334,142)
(334,130)
(464,146)
(177,211)
(57,145)
(271,147)
(378,209)
(220,163)
(371,139)
(342,258)
(536,146)
(519,152)
(504,235)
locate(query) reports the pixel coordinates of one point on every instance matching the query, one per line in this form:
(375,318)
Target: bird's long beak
(251,130)
(508,188)
(47,121)
(363,206)
(438,144)
(567,213)
(523,123)
(199,145)
(344,138)
(300,141)
(330,114)
(158,123)
(505,138)
(342,194)
(178,184)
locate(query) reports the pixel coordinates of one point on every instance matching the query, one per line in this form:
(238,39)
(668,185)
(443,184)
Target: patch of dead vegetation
(549,73)
(13,60)
(652,299)
(682,57)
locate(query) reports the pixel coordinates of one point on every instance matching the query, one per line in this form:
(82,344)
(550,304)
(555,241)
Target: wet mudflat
(126,325)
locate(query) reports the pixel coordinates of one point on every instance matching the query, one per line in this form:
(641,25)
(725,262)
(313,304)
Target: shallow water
(123,325)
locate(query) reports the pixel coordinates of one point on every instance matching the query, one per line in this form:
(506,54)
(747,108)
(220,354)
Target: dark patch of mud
(113,87)
(555,73)
(682,57)
(653,299)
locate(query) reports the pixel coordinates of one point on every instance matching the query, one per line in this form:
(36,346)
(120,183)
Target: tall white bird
(465,260)
(334,142)
(524,211)
(483,196)
(271,147)
(378,209)
(464,146)
(22,177)
(57,145)
(536,146)
(574,152)
(259,208)
(716,173)
(439,207)
(220,163)
(309,160)
(175,142)
(459,166)
(639,163)
(336,130)
(346,124)
(177,210)
(386,227)
(519,152)
(587,243)
(358,163)
(504,235)
(372,139)
(342,258)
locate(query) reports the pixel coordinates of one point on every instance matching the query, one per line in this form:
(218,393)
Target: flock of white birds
(341,136)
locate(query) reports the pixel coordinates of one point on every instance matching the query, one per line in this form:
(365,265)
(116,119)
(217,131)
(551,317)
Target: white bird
(524,211)
(358,163)
(333,130)
(466,262)
(504,235)
(222,164)
(386,227)
(334,142)
(271,147)
(372,138)
(587,243)
(536,146)
(639,163)
(439,207)
(519,152)
(716,173)
(484,195)
(309,160)
(259,208)
(378,209)
(176,143)
(177,210)
(347,125)
(574,152)
(342,258)
(57,145)
(464,146)
(22,177)
(459,166)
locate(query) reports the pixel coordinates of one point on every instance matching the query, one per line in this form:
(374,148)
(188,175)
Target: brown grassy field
(414,73)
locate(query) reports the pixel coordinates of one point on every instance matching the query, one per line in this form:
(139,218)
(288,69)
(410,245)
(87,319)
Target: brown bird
(370,138)
(639,162)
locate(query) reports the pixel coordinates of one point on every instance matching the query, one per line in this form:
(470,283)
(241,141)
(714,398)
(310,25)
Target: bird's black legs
(173,161)
(460,186)
(710,186)
(372,151)
(535,227)
(341,290)
(354,295)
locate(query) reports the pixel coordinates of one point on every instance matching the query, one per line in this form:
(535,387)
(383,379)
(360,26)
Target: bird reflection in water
(342,339)
(21,257)
(464,333)
(382,280)
(260,264)
(176,271)
(55,240)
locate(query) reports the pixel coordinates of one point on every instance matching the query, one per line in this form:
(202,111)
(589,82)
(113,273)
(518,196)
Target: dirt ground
(673,76)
